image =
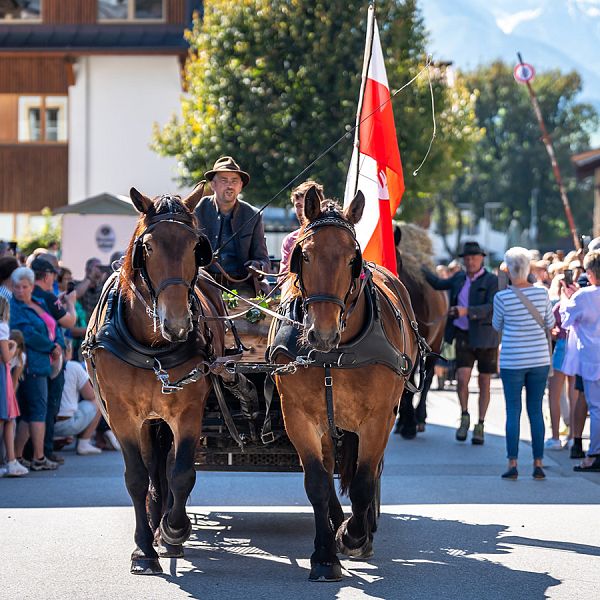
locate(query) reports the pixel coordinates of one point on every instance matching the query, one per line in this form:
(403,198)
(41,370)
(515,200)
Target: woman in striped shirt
(524,357)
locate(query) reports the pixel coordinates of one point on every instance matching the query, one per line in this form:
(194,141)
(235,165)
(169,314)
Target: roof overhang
(586,163)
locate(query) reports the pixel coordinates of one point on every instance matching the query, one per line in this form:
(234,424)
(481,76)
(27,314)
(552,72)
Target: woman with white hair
(523,314)
(39,333)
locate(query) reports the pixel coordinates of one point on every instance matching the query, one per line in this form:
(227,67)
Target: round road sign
(524,72)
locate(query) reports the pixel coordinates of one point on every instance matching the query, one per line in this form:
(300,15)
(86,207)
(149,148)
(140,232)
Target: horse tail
(347,457)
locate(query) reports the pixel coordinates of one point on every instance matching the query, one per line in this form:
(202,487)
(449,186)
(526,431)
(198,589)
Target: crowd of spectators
(46,398)
(545,309)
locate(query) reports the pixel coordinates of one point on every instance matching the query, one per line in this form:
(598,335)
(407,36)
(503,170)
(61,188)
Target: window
(42,119)
(131,10)
(21,10)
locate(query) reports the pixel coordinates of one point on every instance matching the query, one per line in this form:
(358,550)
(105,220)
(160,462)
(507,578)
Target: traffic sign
(524,73)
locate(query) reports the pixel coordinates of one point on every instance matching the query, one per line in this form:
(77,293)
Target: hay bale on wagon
(415,249)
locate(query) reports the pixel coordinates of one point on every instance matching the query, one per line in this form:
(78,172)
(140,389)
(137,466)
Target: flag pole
(550,150)
(363,83)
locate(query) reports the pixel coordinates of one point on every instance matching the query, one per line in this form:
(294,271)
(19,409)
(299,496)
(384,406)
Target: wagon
(217,450)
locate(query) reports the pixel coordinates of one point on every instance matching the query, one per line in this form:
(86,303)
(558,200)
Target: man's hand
(253,266)
(458,311)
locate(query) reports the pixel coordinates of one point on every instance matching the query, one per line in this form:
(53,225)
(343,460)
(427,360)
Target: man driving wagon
(235,230)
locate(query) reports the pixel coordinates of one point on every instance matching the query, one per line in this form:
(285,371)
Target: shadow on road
(415,556)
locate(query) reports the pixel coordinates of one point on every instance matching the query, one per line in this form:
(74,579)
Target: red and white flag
(375,167)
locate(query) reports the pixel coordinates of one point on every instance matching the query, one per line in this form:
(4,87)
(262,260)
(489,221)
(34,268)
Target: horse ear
(397,234)
(354,212)
(312,204)
(191,201)
(142,203)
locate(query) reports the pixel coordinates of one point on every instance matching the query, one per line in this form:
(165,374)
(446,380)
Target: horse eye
(148,248)
(304,257)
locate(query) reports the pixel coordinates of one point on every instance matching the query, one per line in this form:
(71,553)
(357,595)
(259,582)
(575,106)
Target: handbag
(535,313)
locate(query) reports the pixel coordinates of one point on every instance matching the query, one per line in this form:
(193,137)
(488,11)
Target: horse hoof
(364,550)
(174,537)
(323,572)
(170,550)
(409,432)
(145,566)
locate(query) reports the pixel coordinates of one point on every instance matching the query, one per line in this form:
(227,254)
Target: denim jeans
(592,396)
(534,380)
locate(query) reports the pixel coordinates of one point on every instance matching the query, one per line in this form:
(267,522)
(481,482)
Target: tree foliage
(276,82)
(510,161)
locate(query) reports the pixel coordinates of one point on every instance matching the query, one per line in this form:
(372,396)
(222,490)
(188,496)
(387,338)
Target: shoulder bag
(535,313)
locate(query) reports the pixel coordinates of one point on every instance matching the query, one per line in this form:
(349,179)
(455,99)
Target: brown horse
(413,251)
(146,332)
(357,322)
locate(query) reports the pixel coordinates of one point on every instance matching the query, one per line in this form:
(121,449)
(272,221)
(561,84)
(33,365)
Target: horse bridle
(202,255)
(331,219)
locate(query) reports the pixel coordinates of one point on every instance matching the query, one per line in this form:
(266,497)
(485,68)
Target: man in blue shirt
(224,215)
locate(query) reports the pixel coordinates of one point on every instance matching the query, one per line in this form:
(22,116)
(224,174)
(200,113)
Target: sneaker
(26,463)
(477,438)
(111,441)
(16,469)
(463,430)
(43,465)
(552,444)
(57,458)
(85,447)
(3,470)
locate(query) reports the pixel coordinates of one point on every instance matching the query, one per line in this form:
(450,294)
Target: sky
(563,34)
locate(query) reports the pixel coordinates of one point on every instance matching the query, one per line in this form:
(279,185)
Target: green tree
(275,82)
(510,161)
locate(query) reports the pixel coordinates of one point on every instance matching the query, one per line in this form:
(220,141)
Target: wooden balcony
(33,176)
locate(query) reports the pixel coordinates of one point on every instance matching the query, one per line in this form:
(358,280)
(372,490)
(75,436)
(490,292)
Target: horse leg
(318,483)
(355,536)
(159,438)
(336,514)
(144,559)
(407,423)
(421,411)
(175,526)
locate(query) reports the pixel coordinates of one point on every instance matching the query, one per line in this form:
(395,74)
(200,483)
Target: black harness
(114,336)
(370,347)
(331,218)
(202,253)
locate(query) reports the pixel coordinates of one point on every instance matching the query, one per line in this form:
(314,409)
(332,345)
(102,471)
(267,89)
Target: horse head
(327,262)
(165,253)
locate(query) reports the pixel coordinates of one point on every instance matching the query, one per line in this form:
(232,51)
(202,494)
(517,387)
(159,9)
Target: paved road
(450,528)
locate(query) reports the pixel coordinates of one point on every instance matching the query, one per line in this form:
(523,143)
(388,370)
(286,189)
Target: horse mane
(161,205)
(415,250)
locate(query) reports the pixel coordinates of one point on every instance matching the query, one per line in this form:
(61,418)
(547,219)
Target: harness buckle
(329,381)
(267,438)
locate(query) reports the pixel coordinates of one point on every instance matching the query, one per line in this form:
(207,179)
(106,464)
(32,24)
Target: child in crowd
(9,409)
(19,360)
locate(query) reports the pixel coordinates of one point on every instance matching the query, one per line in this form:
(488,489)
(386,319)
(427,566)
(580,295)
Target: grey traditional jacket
(481,306)
(249,243)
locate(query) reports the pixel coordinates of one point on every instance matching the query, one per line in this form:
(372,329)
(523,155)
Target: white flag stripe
(368,185)
(377,66)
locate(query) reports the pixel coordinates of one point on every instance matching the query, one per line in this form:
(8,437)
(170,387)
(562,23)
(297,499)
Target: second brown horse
(337,301)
